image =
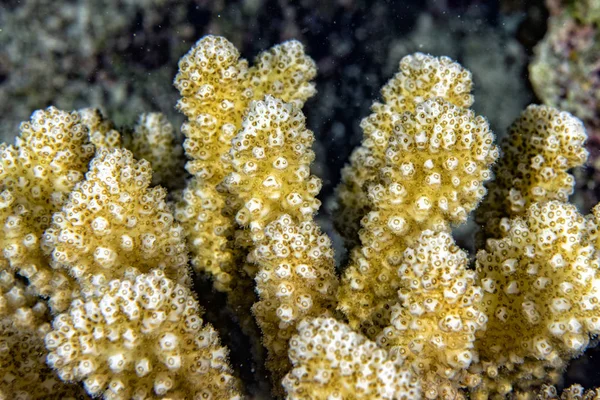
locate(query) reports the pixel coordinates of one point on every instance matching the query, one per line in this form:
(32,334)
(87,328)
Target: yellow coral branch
(271,157)
(541,146)
(36,175)
(435,164)
(421,77)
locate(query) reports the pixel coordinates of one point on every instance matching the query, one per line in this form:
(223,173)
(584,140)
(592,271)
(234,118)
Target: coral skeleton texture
(543,144)
(97,297)
(430,175)
(216,88)
(114,224)
(141,338)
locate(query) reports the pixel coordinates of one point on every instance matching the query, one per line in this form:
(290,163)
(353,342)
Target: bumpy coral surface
(141,338)
(153,139)
(20,304)
(271,157)
(331,361)
(113,223)
(216,88)
(541,289)
(542,145)
(101,130)
(208,233)
(24,374)
(421,77)
(436,163)
(36,176)
(434,325)
(295,280)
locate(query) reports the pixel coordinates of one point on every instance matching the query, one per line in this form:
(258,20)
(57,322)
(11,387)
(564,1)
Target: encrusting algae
(96,295)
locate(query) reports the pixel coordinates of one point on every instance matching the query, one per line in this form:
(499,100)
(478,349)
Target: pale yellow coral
(114,223)
(541,290)
(36,175)
(434,325)
(331,362)
(20,304)
(542,145)
(216,88)
(421,77)
(435,165)
(141,338)
(153,139)
(199,209)
(295,280)
(271,157)
(24,374)
(101,130)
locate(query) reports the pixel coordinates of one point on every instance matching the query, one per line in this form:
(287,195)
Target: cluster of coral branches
(95,284)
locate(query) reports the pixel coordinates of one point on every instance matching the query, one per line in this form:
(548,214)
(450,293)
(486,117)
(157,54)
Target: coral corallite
(142,338)
(541,289)
(436,163)
(114,223)
(36,175)
(434,325)
(332,362)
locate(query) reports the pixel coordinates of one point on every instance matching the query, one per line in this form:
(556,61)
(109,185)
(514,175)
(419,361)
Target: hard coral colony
(96,296)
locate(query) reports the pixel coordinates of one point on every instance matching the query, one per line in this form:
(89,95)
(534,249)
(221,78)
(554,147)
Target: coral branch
(333,362)
(541,290)
(113,224)
(141,338)
(295,279)
(421,77)
(216,88)
(541,146)
(434,325)
(435,164)
(36,175)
